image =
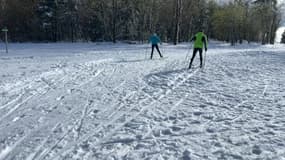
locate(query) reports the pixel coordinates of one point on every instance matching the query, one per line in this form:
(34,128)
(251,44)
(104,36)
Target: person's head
(154,34)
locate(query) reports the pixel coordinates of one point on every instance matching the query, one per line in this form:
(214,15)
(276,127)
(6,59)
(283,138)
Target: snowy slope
(88,101)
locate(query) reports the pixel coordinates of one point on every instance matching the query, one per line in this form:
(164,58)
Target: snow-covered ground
(102,101)
(279,34)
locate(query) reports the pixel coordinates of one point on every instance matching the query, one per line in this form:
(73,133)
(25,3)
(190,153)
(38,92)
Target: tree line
(134,20)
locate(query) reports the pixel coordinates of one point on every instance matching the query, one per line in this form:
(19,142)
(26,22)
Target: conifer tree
(47,15)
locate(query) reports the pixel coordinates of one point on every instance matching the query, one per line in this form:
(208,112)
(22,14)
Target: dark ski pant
(194,55)
(152,49)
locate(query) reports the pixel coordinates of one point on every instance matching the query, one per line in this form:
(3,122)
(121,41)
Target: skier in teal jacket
(154,40)
(200,42)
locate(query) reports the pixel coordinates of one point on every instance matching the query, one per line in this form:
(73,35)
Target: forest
(175,21)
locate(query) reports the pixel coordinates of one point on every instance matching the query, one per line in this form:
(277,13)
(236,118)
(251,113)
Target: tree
(178,13)
(117,20)
(268,19)
(48,16)
(283,38)
(91,20)
(19,17)
(67,20)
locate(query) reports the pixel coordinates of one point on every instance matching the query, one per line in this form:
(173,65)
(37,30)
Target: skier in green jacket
(200,42)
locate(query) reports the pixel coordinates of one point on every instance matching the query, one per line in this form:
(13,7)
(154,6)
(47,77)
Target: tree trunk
(114,21)
(273,28)
(178,13)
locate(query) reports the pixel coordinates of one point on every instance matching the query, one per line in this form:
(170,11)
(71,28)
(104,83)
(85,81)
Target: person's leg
(157,48)
(201,57)
(192,59)
(152,48)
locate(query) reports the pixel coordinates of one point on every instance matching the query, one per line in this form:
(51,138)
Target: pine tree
(48,19)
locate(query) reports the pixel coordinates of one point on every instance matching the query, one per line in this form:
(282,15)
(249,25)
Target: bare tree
(178,13)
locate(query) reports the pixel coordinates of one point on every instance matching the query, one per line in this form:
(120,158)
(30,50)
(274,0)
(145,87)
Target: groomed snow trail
(88,101)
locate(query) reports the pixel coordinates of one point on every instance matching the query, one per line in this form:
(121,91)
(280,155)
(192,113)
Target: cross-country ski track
(102,101)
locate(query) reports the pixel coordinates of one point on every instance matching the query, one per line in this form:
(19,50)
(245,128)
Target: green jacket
(200,40)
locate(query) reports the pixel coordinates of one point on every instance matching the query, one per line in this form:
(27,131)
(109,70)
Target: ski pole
(163,49)
(205,59)
(187,55)
(145,54)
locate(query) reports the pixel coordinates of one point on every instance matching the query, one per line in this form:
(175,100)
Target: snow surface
(279,34)
(102,101)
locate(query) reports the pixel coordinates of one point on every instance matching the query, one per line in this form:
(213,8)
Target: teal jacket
(154,40)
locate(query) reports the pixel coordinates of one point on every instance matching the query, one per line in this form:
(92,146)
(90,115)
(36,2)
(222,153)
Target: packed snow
(104,101)
(279,34)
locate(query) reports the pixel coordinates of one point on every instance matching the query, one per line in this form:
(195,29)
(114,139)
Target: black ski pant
(194,55)
(152,49)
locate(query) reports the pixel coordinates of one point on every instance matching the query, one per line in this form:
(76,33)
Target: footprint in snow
(186,155)
(60,98)
(256,150)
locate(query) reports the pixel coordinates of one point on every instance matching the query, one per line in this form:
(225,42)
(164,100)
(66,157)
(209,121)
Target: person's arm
(158,39)
(193,39)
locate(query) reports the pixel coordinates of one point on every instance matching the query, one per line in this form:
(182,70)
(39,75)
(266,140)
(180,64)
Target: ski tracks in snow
(118,121)
(148,110)
(35,129)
